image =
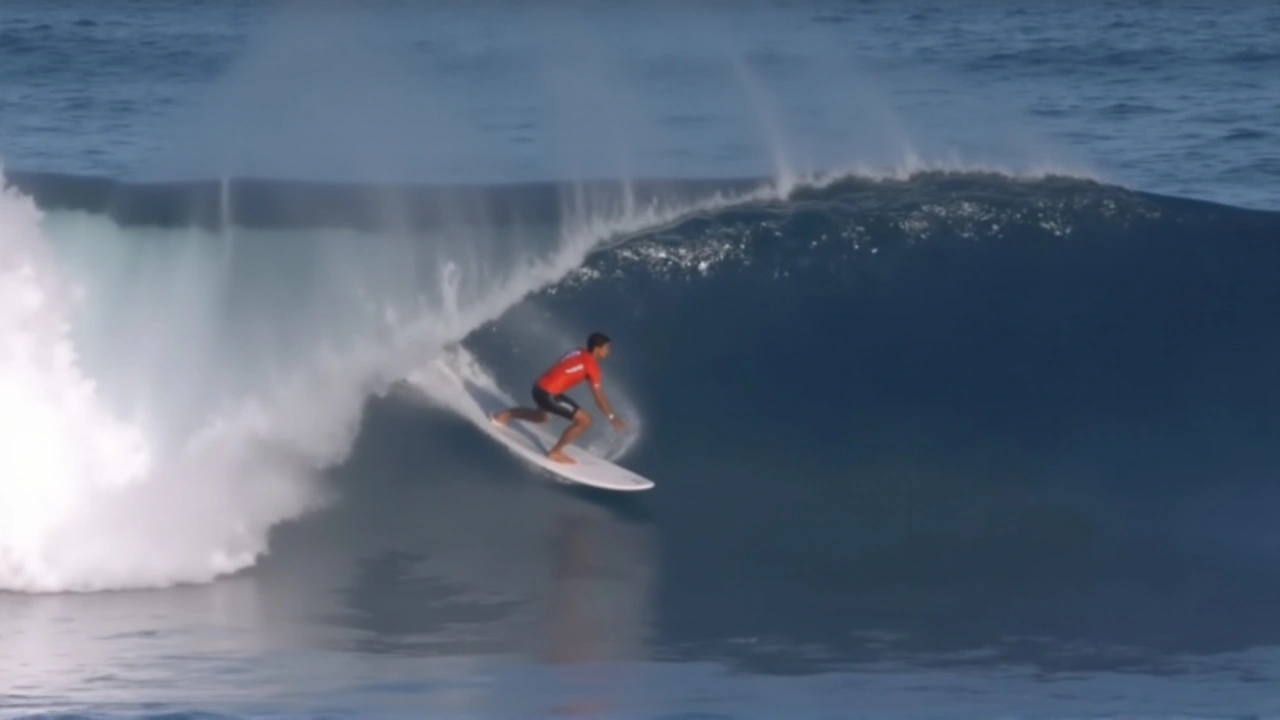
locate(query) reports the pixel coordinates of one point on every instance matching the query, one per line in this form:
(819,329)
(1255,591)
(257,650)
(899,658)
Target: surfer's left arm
(603,402)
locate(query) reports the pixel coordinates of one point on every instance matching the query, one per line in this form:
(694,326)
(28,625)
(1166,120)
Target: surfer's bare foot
(560,457)
(501,418)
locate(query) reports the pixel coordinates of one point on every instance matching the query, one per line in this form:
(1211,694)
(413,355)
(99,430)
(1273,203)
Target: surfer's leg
(536,415)
(558,405)
(581,421)
(519,413)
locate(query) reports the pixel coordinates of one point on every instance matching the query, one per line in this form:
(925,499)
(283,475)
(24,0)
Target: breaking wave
(188,359)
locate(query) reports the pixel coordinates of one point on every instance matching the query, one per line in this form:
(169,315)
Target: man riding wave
(548,394)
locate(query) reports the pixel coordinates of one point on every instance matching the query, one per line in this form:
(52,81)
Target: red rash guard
(570,371)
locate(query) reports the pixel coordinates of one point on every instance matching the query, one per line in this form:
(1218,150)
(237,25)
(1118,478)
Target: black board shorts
(561,404)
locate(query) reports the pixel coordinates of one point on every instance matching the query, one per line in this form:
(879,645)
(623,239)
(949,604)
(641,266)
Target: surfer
(548,395)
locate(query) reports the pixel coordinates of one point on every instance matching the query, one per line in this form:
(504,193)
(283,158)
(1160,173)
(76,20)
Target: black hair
(596,339)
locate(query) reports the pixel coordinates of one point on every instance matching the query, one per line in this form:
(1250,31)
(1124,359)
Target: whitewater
(90,499)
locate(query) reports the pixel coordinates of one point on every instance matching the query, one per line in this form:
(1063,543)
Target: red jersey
(569,371)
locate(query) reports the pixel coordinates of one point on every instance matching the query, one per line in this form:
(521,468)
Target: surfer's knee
(582,418)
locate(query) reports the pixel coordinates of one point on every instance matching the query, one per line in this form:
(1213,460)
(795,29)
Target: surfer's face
(602,351)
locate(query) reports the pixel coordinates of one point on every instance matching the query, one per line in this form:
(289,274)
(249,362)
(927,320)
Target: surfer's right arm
(603,402)
(593,378)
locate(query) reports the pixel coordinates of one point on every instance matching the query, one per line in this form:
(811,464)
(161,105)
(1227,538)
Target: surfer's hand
(617,423)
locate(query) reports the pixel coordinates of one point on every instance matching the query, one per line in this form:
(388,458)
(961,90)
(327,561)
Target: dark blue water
(1169,96)
(948,334)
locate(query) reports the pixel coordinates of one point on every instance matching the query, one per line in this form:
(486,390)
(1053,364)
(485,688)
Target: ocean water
(948,332)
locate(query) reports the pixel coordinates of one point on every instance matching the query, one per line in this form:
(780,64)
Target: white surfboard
(530,441)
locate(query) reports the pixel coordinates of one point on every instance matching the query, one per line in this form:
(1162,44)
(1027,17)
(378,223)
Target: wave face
(955,386)
(1047,309)
(961,360)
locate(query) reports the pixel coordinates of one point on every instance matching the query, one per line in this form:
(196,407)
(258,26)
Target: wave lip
(248,202)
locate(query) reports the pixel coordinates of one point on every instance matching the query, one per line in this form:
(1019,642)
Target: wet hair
(596,339)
